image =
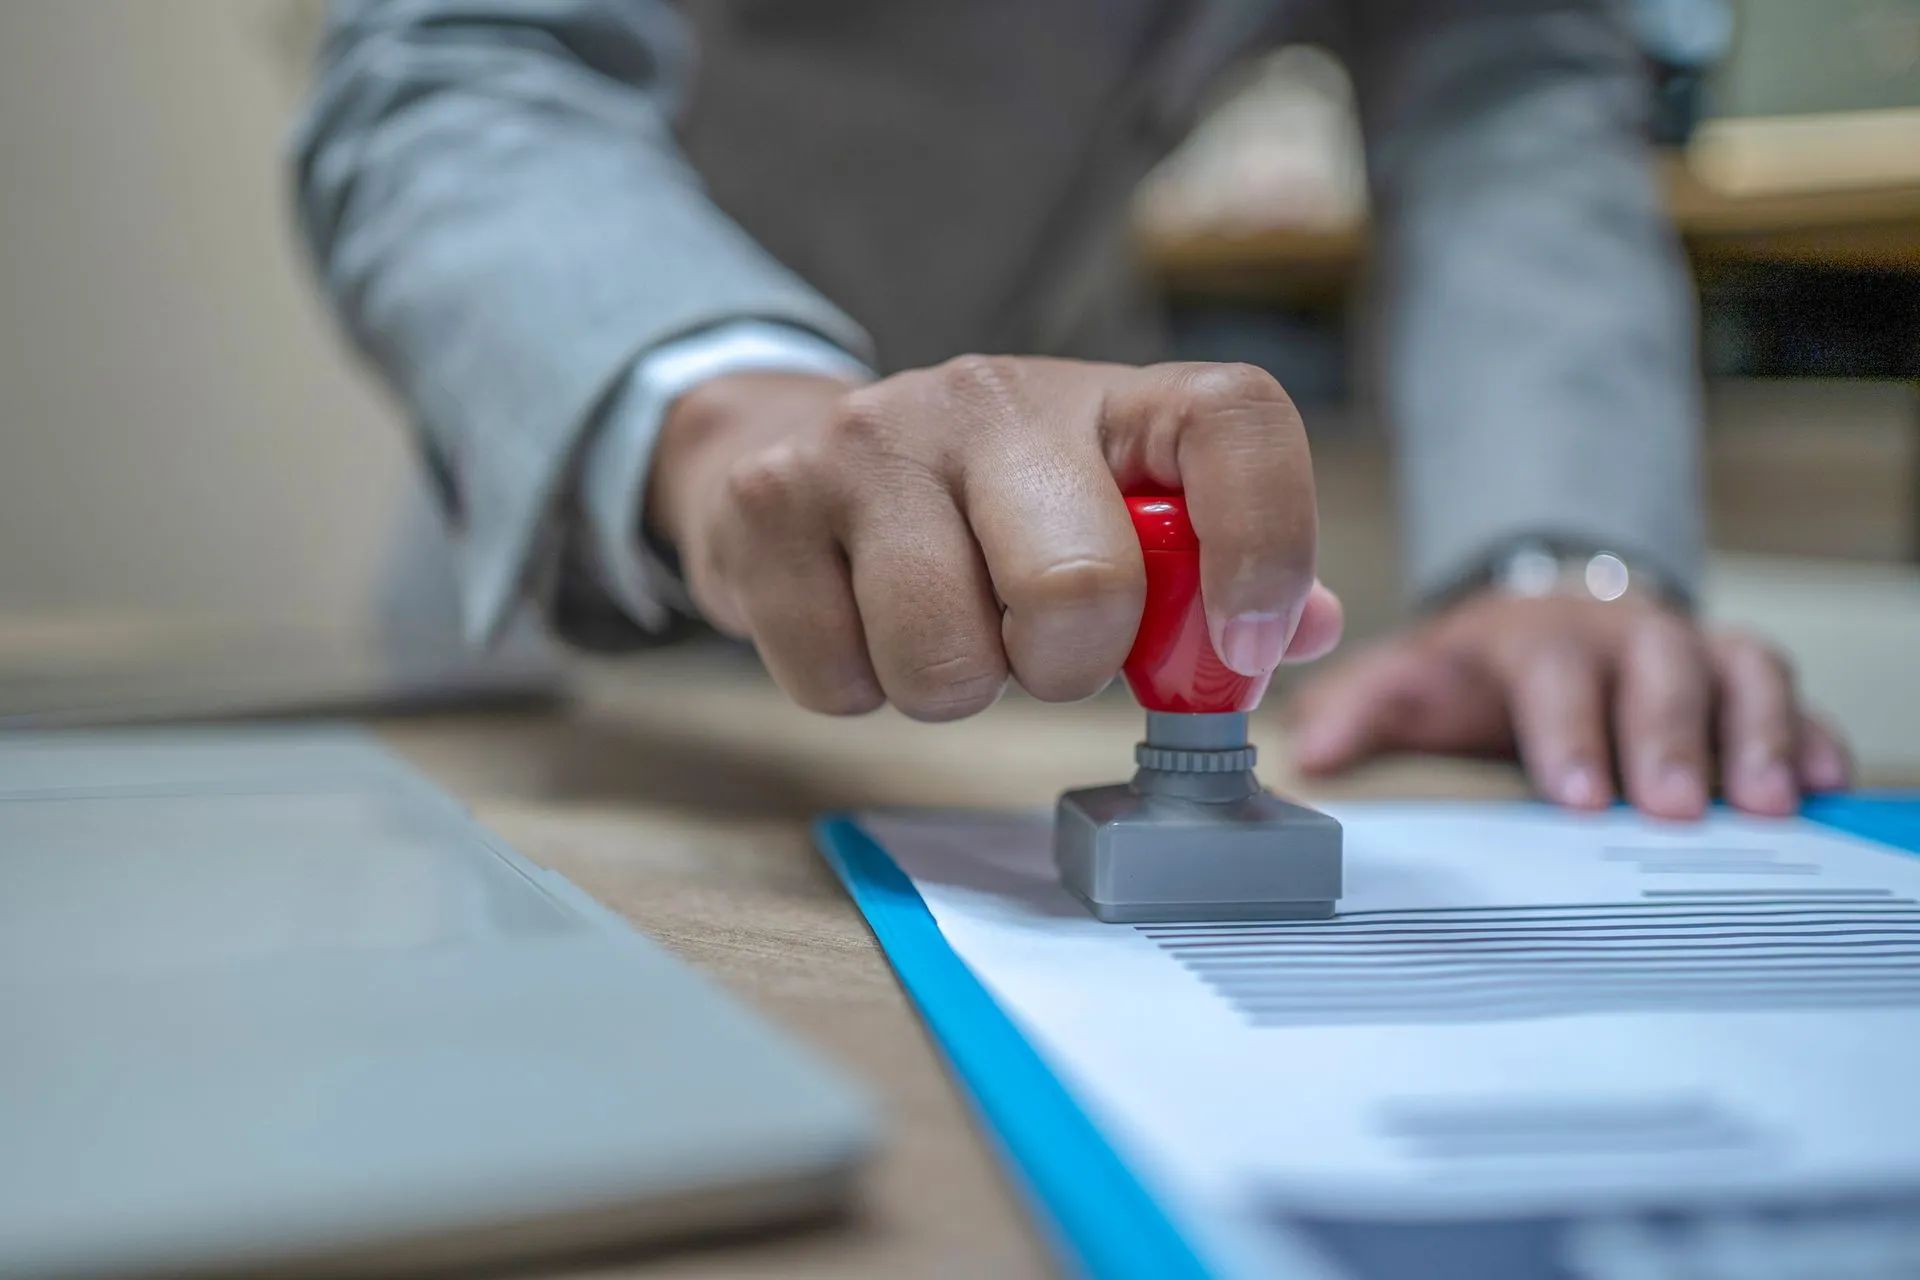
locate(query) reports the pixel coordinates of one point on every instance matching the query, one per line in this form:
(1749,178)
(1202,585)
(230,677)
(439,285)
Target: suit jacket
(510,200)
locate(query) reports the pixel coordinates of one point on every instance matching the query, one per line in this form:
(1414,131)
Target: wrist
(1541,569)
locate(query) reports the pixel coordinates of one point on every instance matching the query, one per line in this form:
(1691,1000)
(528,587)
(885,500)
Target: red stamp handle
(1173,666)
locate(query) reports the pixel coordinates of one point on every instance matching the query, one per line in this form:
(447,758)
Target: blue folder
(1098,1217)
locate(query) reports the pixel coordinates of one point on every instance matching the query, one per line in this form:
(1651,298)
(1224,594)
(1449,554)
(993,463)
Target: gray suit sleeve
(1533,317)
(499,213)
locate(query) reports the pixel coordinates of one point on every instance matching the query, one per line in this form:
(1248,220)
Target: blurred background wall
(200,500)
(203,503)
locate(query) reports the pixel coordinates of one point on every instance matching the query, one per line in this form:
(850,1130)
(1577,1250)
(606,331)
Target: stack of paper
(1531,1043)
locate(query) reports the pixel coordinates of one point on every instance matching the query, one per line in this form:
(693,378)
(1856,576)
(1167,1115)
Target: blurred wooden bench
(1835,192)
(1840,191)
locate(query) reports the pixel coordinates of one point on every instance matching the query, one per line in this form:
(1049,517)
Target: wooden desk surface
(1863,227)
(677,788)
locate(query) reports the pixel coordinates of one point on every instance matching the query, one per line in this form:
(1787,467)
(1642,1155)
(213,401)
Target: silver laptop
(269,1000)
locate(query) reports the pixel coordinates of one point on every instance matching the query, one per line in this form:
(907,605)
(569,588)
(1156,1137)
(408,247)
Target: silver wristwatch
(1540,569)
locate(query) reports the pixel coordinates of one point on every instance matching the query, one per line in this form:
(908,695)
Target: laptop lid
(272,999)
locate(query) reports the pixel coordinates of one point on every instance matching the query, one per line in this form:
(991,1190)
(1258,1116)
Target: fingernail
(1826,770)
(1251,643)
(1316,742)
(1580,787)
(1770,787)
(1679,789)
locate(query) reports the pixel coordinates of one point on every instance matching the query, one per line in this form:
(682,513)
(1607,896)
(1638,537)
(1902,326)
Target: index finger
(1230,437)
(1052,528)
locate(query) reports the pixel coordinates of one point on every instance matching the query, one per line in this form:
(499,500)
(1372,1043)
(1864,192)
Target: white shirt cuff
(613,479)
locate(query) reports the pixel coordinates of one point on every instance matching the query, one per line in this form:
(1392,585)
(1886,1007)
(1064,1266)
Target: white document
(1518,1014)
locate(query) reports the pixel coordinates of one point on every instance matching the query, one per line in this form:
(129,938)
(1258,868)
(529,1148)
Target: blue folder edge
(1100,1220)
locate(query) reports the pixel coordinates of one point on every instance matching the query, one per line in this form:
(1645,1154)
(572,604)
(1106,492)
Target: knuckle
(1659,626)
(865,424)
(1212,387)
(980,376)
(1268,543)
(1556,653)
(768,486)
(1081,585)
(950,687)
(1561,654)
(1744,654)
(1660,638)
(1235,406)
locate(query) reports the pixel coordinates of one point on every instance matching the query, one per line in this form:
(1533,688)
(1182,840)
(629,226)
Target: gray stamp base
(1138,859)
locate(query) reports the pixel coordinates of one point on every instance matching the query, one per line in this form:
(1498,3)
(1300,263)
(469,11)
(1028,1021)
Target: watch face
(1537,570)
(1606,576)
(1529,571)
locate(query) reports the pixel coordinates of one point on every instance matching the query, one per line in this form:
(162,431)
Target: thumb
(1322,620)
(1403,695)
(1345,715)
